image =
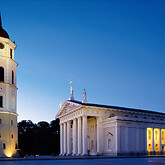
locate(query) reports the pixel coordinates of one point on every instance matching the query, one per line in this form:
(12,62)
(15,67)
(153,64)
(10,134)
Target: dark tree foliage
(39,139)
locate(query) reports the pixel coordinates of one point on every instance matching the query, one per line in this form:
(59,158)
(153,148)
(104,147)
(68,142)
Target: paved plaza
(103,161)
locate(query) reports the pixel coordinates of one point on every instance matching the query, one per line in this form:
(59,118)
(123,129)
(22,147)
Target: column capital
(74,119)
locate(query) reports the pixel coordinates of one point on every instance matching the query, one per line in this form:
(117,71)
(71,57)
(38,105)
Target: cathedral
(8,96)
(94,129)
(85,128)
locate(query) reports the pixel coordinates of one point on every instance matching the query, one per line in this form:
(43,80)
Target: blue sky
(114,49)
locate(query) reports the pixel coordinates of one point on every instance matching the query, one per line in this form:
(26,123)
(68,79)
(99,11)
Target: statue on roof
(71,91)
(84,96)
(60,105)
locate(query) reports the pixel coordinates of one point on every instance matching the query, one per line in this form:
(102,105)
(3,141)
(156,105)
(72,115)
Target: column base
(74,154)
(78,154)
(84,154)
(61,154)
(68,154)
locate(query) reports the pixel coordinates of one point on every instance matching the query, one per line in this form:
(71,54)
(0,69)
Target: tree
(41,138)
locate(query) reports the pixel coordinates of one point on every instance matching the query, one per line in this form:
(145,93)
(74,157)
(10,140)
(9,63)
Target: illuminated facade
(109,130)
(8,96)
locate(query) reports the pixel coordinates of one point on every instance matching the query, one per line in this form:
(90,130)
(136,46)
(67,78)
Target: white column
(127,139)
(79,136)
(74,136)
(65,139)
(68,137)
(117,139)
(153,148)
(145,140)
(84,135)
(160,141)
(61,139)
(98,135)
(138,139)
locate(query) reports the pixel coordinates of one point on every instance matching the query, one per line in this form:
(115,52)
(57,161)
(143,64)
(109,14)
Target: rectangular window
(0,135)
(0,121)
(11,122)
(4,146)
(11,53)
(1,101)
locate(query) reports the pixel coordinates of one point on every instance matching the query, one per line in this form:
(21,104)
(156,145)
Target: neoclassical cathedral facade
(93,129)
(8,96)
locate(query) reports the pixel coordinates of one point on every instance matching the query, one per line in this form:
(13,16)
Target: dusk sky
(115,49)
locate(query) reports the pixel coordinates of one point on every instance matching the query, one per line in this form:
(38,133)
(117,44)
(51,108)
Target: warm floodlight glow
(156,139)
(9,154)
(149,139)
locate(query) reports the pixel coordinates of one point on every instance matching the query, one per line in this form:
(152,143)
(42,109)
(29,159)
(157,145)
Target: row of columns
(79,134)
(153,140)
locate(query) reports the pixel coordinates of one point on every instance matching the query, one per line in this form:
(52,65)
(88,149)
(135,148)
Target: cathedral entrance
(92,135)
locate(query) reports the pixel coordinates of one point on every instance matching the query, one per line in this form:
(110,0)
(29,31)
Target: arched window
(4,146)
(11,53)
(1,74)
(12,77)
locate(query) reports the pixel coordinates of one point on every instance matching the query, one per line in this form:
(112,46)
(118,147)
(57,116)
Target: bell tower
(8,96)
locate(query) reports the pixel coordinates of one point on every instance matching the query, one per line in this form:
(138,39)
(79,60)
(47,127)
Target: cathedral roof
(117,107)
(3,33)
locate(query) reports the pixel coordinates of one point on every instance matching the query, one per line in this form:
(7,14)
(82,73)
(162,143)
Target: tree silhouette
(41,138)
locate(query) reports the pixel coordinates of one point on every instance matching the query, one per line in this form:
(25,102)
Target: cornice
(8,84)
(7,112)
(9,59)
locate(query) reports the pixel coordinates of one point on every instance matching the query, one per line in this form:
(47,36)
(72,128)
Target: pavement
(47,157)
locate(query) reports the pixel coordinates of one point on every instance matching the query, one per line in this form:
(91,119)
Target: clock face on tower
(1,46)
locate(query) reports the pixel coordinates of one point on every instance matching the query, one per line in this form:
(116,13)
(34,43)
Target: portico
(74,133)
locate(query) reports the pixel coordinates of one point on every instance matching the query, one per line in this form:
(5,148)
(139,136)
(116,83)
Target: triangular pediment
(67,108)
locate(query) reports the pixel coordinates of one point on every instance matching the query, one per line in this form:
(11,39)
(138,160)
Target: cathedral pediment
(67,108)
